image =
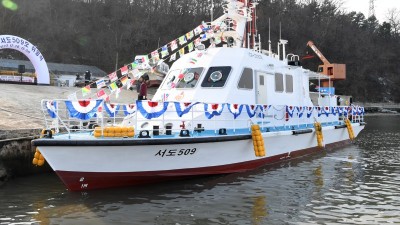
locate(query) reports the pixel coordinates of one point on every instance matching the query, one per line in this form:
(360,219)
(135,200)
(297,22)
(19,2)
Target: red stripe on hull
(79,181)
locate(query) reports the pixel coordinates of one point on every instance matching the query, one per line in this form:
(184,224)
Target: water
(358,184)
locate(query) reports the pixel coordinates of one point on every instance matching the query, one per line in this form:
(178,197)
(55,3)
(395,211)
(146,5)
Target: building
(60,74)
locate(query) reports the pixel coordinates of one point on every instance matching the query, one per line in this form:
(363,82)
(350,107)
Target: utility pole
(371,11)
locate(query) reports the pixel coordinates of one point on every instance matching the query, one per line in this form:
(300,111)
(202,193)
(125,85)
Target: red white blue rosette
(252,110)
(83,109)
(290,110)
(300,110)
(264,110)
(129,109)
(334,110)
(361,111)
(150,109)
(51,107)
(310,110)
(111,109)
(184,107)
(212,110)
(235,109)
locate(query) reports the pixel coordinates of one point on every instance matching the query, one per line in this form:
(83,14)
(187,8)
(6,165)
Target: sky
(381,7)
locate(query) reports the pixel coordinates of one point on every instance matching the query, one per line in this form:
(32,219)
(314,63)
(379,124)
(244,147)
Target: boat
(226,108)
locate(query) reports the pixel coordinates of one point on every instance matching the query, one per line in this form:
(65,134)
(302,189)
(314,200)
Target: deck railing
(78,116)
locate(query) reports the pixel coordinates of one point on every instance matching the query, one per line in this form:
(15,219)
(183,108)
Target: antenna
(269,36)
(371,11)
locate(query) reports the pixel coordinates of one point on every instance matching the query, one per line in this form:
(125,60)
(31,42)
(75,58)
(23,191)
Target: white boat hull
(107,165)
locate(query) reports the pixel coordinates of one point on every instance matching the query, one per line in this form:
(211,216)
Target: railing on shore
(163,117)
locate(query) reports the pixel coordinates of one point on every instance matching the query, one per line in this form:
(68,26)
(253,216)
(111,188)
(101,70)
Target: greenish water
(357,184)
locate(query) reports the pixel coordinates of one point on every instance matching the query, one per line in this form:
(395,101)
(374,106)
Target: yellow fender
(319,134)
(38,159)
(349,129)
(258,141)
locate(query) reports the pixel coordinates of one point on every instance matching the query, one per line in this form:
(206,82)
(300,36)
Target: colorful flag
(86,90)
(189,35)
(173,57)
(203,37)
(155,55)
(117,92)
(101,94)
(197,41)
(164,51)
(132,66)
(129,84)
(113,76)
(124,80)
(113,86)
(100,83)
(173,45)
(190,47)
(193,61)
(205,27)
(181,51)
(198,30)
(124,70)
(182,40)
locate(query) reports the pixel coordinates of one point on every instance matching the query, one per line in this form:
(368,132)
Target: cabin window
(189,77)
(246,79)
(278,82)
(216,76)
(289,83)
(169,81)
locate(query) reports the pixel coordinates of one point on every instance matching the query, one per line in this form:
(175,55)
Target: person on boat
(143,80)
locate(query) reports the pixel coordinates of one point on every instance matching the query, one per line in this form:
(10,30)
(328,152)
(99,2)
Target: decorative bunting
(300,110)
(124,80)
(124,70)
(198,30)
(133,65)
(111,109)
(184,107)
(129,109)
(203,37)
(164,51)
(113,86)
(51,107)
(83,109)
(190,47)
(181,51)
(155,55)
(189,35)
(235,109)
(86,90)
(173,45)
(182,40)
(101,94)
(100,83)
(212,110)
(309,111)
(150,109)
(113,76)
(119,89)
(197,41)
(251,110)
(290,110)
(217,40)
(172,57)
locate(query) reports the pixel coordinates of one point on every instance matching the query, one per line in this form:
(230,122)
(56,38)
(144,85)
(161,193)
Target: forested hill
(95,32)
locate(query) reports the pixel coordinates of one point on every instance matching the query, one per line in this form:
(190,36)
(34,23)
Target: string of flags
(174,49)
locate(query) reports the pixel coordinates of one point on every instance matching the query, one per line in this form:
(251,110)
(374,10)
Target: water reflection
(358,184)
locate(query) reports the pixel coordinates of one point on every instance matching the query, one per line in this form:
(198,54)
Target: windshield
(169,81)
(189,77)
